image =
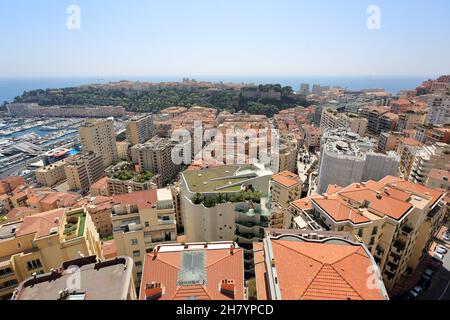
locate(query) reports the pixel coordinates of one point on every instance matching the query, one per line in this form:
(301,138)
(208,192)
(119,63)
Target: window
(139,275)
(375,231)
(360,233)
(4,272)
(34,264)
(136,253)
(138,264)
(134,242)
(147,224)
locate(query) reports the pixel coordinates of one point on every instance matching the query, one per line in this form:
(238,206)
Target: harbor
(24,142)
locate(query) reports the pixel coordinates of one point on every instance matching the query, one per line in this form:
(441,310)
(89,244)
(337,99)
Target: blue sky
(213,37)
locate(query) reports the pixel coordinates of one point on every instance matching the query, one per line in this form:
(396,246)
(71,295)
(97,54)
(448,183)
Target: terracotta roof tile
(312,271)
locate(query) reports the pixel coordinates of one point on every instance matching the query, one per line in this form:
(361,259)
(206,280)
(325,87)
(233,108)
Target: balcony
(406,230)
(399,246)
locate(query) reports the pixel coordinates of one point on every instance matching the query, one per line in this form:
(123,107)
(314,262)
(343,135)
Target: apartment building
(226,203)
(315,266)
(176,196)
(34,110)
(439,110)
(139,129)
(118,186)
(156,156)
(100,188)
(396,219)
(285,187)
(379,119)
(140,221)
(439,179)
(52,175)
(194,271)
(122,178)
(83,170)
(407,150)
(411,120)
(38,199)
(347,158)
(431,134)
(98,136)
(100,210)
(43,241)
(123,150)
(8,184)
(312,137)
(331,119)
(427,158)
(98,280)
(288,154)
(389,141)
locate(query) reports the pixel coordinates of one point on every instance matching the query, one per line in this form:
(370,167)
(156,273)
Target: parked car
(417,291)
(438,257)
(447,237)
(440,251)
(424,282)
(428,274)
(441,247)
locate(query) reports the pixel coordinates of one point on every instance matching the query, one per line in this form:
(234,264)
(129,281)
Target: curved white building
(347,158)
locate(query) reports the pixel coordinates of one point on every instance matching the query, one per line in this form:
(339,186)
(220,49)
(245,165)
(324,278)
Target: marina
(26,141)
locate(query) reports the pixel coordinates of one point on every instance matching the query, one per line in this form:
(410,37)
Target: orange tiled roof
(143,199)
(340,212)
(303,204)
(323,271)
(286,178)
(19,213)
(41,223)
(220,265)
(385,204)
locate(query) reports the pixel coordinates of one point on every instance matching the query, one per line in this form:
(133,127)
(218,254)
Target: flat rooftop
(108,280)
(223,178)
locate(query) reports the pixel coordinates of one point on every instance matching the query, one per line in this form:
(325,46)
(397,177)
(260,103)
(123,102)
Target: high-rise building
(294,265)
(427,158)
(347,158)
(439,110)
(285,187)
(156,156)
(396,219)
(139,129)
(141,220)
(52,174)
(288,154)
(380,119)
(98,136)
(331,119)
(83,170)
(226,203)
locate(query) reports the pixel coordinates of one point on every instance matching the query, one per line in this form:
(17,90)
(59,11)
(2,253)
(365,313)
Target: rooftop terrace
(223,179)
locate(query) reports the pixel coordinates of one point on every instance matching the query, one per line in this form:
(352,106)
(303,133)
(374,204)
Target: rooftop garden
(126,175)
(75,225)
(212,201)
(211,180)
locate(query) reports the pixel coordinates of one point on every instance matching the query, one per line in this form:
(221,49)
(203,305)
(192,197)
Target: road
(440,286)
